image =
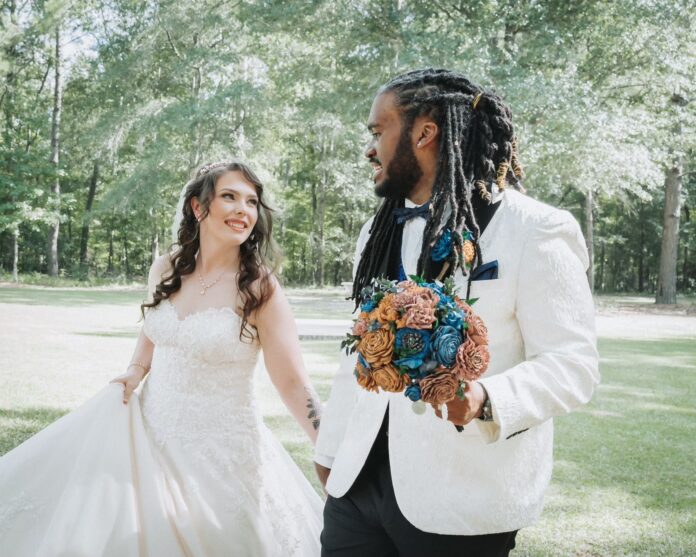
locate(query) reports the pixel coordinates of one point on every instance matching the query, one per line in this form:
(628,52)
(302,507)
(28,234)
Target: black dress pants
(367,522)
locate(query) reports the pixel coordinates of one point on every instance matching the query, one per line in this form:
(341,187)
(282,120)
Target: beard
(403,172)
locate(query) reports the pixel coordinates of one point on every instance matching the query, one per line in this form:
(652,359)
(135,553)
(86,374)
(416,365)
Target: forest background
(107,106)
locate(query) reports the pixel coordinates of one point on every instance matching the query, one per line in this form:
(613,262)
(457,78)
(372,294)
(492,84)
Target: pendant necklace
(204,286)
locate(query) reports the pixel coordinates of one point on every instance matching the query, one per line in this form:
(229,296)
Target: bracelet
(140,365)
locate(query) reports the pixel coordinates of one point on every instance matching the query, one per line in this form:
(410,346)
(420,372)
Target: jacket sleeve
(555,313)
(344,390)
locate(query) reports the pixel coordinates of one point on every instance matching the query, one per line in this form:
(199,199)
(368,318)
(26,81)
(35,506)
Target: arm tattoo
(314,407)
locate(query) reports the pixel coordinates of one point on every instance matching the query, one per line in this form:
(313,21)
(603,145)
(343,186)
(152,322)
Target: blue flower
(368,306)
(363,361)
(454,318)
(413,392)
(411,347)
(446,341)
(443,247)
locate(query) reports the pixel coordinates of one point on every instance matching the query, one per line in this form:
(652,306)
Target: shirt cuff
(323,460)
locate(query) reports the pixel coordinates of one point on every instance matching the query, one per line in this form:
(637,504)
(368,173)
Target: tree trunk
(155,247)
(110,264)
(601,267)
(667,279)
(589,237)
(55,154)
(125,253)
(84,237)
(641,257)
(15,255)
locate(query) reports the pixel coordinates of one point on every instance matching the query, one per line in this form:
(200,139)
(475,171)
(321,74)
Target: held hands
(130,380)
(461,412)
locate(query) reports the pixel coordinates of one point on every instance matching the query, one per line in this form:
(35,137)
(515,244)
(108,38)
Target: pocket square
(487,271)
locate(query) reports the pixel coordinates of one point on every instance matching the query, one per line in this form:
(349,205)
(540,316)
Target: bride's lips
(236,225)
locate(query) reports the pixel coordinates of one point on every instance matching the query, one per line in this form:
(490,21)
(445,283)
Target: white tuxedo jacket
(544,363)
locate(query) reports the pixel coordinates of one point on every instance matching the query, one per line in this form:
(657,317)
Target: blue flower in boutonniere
(445,342)
(368,306)
(443,246)
(411,347)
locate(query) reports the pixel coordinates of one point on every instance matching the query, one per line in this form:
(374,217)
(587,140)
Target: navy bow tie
(403,214)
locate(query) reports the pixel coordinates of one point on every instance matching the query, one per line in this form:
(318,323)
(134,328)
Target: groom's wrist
(486,412)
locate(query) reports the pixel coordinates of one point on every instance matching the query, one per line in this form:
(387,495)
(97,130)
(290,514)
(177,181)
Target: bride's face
(233,211)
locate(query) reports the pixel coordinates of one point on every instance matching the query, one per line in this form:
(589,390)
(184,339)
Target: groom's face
(390,151)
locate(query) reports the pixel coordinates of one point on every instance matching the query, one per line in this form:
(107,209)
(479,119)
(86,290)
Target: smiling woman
(185,466)
(223,206)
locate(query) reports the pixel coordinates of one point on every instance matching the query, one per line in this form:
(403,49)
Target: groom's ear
(427,133)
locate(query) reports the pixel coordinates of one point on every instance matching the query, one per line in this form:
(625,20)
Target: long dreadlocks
(477,147)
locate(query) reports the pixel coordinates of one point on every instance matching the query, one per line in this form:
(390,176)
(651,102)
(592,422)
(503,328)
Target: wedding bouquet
(420,338)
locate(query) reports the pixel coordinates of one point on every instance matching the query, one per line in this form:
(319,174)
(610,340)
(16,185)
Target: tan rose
(359,327)
(365,378)
(417,296)
(387,311)
(377,347)
(466,308)
(472,360)
(468,251)
(476,330)
(390,379)
(439,388)
(417,317)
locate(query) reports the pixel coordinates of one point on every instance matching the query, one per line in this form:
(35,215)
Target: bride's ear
(196,207)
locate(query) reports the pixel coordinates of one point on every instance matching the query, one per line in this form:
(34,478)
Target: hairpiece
(476,101)
(210,166)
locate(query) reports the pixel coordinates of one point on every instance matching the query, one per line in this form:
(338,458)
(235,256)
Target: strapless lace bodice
(200,387)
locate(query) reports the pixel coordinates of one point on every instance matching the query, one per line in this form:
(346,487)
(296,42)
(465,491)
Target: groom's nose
(370,151)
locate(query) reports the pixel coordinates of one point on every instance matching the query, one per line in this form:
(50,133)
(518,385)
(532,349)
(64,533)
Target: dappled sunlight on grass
(623,475)
(624,464)
(16,426)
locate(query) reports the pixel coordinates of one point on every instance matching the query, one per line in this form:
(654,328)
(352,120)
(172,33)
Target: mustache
(374,160)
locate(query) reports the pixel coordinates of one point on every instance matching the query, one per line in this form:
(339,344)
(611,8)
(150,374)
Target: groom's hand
(323,473)
(461,412)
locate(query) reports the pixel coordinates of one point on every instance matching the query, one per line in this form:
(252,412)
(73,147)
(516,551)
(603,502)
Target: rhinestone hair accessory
(210,166)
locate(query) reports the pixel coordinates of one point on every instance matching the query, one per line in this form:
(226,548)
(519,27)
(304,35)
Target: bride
(187,468)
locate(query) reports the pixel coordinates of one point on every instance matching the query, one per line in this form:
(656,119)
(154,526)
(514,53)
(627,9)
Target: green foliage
(602,95)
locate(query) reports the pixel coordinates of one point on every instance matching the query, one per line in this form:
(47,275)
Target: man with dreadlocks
(444,152)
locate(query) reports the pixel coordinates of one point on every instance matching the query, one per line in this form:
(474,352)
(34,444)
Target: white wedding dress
(186,469)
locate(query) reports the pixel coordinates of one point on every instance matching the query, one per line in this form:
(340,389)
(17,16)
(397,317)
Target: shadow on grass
(296,443)
(16,426)
(123,333)
(69,297)
(626,460)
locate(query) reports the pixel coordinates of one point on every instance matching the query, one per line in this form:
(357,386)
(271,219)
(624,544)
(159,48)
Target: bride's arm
(142,355)
(138,367)
(281,352)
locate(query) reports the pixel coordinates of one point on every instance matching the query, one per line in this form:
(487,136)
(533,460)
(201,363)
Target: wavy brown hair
(258,254)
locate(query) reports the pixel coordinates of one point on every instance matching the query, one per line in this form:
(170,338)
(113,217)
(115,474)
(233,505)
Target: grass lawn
(624,465)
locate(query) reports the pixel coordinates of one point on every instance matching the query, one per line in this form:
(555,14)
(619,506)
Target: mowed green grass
(623,481)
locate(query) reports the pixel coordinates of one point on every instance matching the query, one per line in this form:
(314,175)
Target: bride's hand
(130,381)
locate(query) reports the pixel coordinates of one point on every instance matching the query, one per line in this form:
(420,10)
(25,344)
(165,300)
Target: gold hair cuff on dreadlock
(477,98)
(480,186)
(502,175)
(517,169)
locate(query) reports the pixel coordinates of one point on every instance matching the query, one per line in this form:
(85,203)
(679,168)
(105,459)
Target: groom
(443,151)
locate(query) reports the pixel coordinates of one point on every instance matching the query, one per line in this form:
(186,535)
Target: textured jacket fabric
(544,363)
